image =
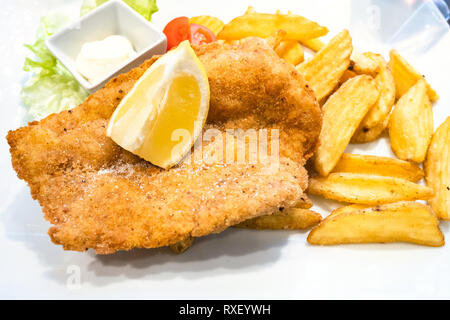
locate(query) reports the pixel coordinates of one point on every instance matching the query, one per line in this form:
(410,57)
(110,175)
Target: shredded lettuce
(146,8)
(51,87)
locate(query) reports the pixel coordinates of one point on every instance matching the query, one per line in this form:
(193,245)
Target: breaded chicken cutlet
(98,195)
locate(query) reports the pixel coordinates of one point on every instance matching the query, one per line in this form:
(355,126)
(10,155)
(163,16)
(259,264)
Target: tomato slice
(200,34)
(177,31)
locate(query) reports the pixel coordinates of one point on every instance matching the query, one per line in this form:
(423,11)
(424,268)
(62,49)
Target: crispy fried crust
(97,195)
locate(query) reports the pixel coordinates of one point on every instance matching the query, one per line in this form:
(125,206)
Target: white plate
(237,263)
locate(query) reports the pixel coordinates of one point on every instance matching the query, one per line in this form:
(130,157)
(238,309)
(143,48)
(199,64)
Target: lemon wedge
(164,113)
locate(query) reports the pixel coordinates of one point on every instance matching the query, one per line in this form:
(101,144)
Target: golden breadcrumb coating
(97,195)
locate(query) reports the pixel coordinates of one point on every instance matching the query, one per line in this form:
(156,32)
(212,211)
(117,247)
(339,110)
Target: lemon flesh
(162,116)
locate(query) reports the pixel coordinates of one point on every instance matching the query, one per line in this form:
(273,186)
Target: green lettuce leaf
(51,87)
(146,8)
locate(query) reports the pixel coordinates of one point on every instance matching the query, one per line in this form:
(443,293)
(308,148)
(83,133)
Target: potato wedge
(410,222)
(314,44)
(212,23)
(342,114)
(182,246)
(380,166)
(365,63)
(406,76)
(346,209)
(275,39)
(437,170)
(304,203)
(411,124)
(348,74)
(264,24)
(288,219)
(291,52)
(324,70)
(367,189)
(376,120)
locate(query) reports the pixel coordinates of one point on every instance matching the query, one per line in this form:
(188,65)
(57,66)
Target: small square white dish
(112,18)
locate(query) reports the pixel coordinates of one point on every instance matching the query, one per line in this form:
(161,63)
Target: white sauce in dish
(98,58)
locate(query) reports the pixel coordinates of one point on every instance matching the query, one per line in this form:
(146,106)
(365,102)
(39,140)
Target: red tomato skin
(177,31)
(200,34)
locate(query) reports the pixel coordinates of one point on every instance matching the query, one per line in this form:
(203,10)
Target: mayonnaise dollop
(98,58)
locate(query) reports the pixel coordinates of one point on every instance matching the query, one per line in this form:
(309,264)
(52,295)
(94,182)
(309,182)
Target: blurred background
(407,25)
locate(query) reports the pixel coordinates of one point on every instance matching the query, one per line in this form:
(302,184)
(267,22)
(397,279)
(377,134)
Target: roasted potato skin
(314,44)
(264,24)
(410,222)
(411,124)
(437,170)
(342,114)
(291,52)
(376,165)
(367,189)
(365,63)
(406,76)
(325,69)
(377,119)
